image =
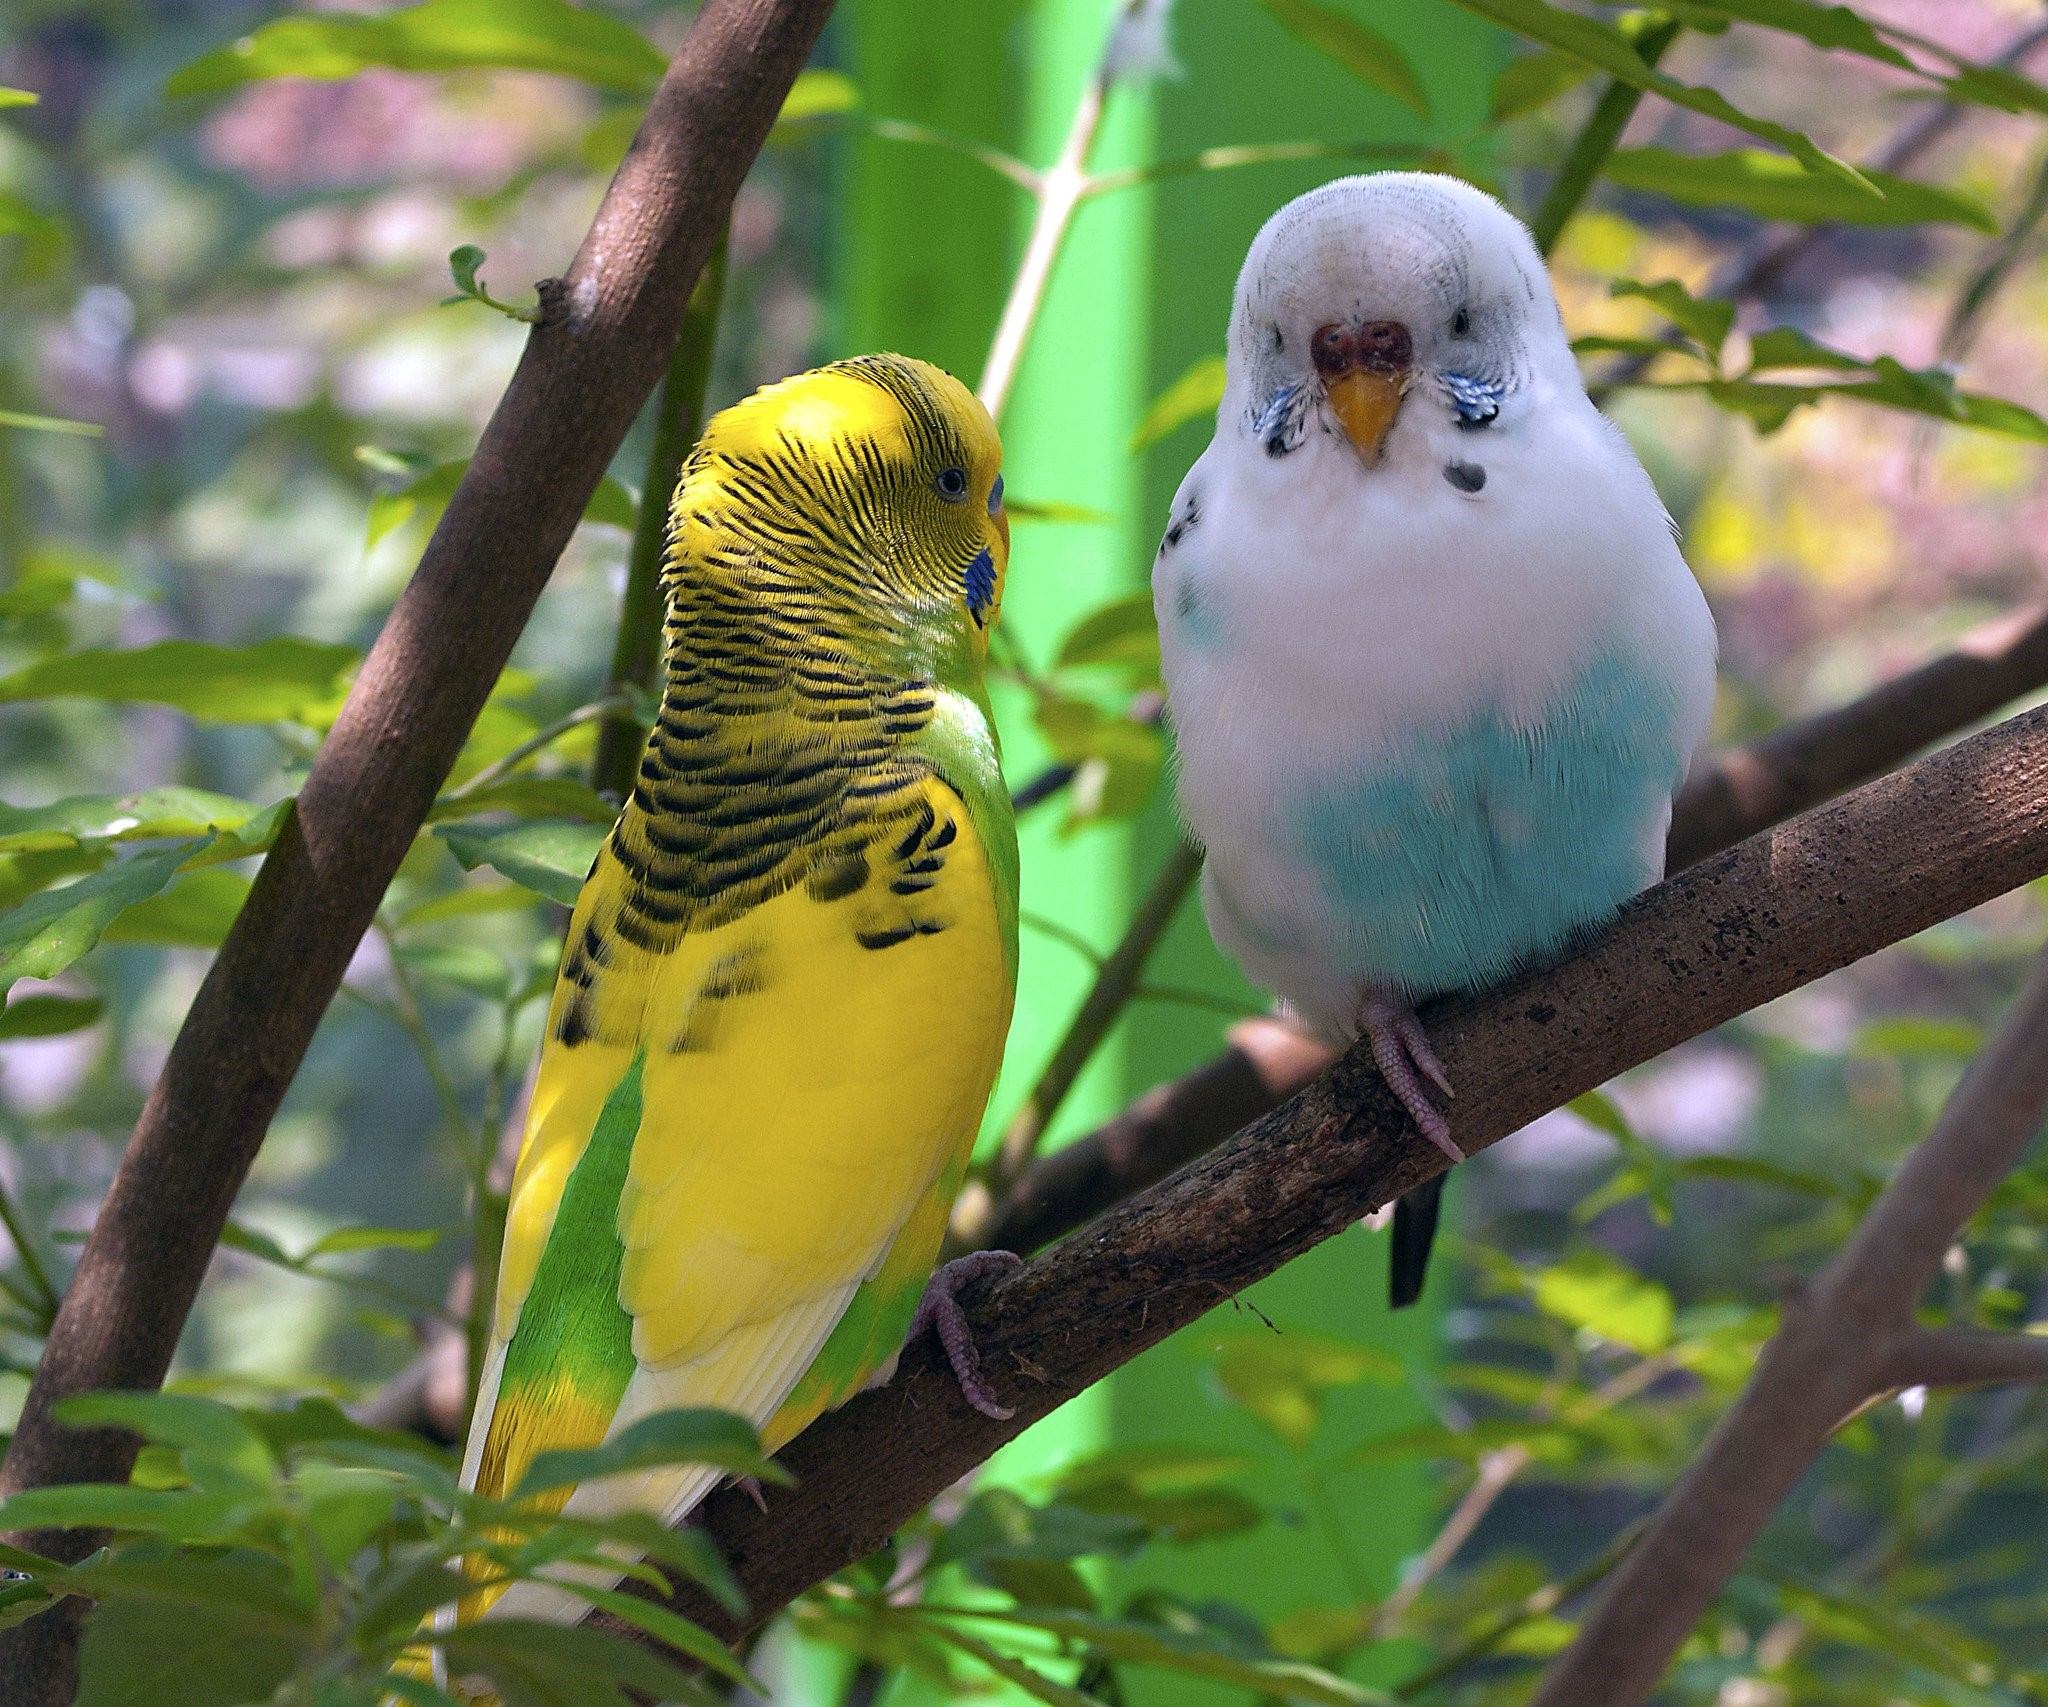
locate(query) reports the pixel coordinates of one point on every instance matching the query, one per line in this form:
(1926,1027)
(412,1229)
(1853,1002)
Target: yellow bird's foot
(939,1310)
(1401,1050)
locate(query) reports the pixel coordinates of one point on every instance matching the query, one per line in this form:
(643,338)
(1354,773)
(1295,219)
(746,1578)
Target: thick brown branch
(1746,790)
(586,370)
(1842,1341)
(1957,1357)
(1782,909)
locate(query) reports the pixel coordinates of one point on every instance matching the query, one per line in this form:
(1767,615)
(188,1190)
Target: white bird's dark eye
(1461,323)
(952,484)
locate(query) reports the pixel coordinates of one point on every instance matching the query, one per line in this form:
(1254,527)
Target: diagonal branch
(1781,910)
(600,345)
(1842,1342)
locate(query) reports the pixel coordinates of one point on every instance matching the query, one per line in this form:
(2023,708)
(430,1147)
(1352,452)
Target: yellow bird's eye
(952,484)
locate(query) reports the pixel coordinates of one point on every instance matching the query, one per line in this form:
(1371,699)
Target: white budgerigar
(1434,663)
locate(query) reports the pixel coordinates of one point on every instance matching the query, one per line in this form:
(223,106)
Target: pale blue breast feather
(1491,844)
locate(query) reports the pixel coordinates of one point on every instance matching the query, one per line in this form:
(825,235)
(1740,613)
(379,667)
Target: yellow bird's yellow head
(867,495)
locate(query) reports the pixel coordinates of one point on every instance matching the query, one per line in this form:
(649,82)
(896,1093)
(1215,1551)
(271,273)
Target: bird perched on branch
(786,983)
(1434,663)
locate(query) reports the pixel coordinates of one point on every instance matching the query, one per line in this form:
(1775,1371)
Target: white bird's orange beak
(1365,372)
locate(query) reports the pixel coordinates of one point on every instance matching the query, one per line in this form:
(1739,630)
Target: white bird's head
(1370,289)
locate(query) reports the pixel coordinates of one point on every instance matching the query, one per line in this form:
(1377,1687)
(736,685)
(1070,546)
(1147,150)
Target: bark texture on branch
(1843,1340)
(587,368)
(1779,911)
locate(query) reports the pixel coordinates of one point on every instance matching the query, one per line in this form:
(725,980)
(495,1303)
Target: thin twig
(2001,261)
(1059,190)
(542,738)
(31,1262)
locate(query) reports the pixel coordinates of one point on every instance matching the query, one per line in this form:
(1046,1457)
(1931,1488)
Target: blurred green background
(241,288)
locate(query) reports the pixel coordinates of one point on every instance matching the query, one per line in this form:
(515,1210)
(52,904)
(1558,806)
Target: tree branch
(588,366)
(1781,910)
(1818,757)
(1958,1357)
(1744,791)
(1842,1342)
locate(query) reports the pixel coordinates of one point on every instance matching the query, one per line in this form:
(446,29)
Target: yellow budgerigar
(786,983)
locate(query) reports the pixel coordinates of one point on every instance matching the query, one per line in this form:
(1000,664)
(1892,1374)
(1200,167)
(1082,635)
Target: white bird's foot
(939,1310)
(1401,1050)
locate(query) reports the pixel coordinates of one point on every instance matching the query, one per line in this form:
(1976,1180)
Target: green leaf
(1647,1164)
(1365,53)
(280,679)
(1591,1290)
(462,266)
(1832,27)
(529,797)
(550,858)
(49,1016)
(670,1628)
(147,1653)
(18,97)
(175,1513)
(16,220)
(196,911)
(1199,1651)
(345,1506)
(1030,510)
(1771,186)
(464,965)
(441,35)
(1011,1669)
(152,814)
(1534,80)
(1787,346)
(344,1239)
(51,577)
(1917,1034)
(47,932)
(1891,385)
(1117,759)
(191,1425)
(816,93)
(1123,632)
(424,493)
(1196,393)
(1605,49)
(556,1665)
(1281,1379)
(716,1440)
(241,1581)
(1706,320)
(1000,1524)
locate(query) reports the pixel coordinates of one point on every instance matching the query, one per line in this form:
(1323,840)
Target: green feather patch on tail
(571,1354)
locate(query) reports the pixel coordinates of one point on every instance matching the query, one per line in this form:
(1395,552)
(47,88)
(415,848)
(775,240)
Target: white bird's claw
(1402,1052)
